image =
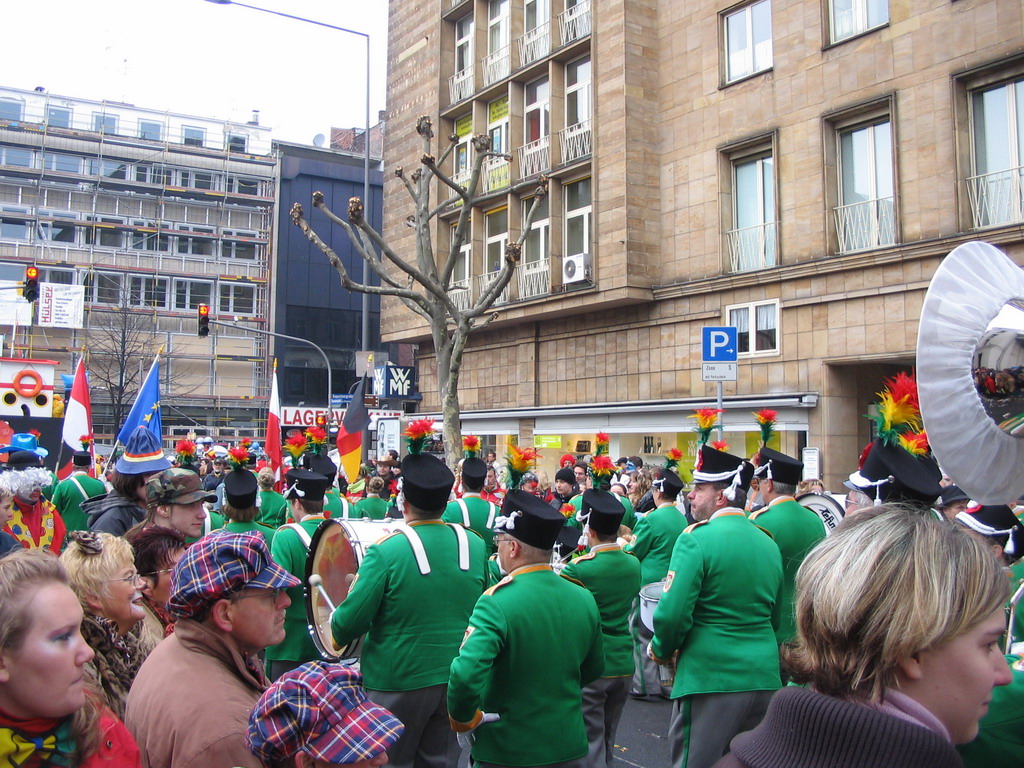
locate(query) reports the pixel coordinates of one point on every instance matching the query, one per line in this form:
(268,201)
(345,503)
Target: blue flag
(146,411)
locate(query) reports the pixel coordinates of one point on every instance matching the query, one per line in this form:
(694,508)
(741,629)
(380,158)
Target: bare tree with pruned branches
(423,284)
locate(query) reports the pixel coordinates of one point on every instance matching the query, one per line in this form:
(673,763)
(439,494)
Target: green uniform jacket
(719,607)
(413,622)
(273,509)
(289,551)
(628,515)
(373,507)
(253,527)
(68,498)
(655,535)
(1000,741)
(533,642)
(336,506)
(480,512)
(796,530)
(613,578)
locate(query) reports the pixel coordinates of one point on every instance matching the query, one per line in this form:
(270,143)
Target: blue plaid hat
(320,709)
(219,566)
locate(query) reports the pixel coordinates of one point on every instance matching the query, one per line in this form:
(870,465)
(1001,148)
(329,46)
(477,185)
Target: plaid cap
(220,565)
(320,709)
(177,486)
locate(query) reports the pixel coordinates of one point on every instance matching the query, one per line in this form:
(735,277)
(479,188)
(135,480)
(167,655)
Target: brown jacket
(190,703)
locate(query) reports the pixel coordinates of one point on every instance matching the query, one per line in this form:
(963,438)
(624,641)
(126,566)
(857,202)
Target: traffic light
(321,421)
(31,289)
(204,320)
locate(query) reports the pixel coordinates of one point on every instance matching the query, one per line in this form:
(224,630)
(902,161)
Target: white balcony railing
(534,158)
(575,141)
(534,279)
(461,294)
(496,174)
(460,85)
(497,65)
(997,198)
(575,22)
(483,282)
(865,225)
(535,44)
(753,248)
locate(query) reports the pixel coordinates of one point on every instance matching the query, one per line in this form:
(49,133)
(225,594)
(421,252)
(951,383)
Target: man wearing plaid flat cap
(191,700)
(318,715)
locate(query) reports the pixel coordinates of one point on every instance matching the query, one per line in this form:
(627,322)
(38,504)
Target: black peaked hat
(528,519)
(668,483)
(306,485)
(602,511)
(474,469)
(891,473)
(81,458)
(996,522)
(952,494)
(426,482)
(779,467)
(240,488)
(321,465)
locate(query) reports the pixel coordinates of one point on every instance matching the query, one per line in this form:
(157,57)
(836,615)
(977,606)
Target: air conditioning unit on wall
(576,269)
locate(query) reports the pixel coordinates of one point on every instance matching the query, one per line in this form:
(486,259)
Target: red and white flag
(77,421)
(272,441)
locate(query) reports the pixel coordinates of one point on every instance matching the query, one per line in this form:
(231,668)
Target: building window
(237,299)
(752,239)
(577,217)
(111,169)
(147,292)
(461,289)
(106,235)
(496,169)
(243,185)
(104,287)
(64,163)
(196,246)
(576,138)
(150,241)
(534,155)
(232,249)
(866,216)
(996,187)
(11,109)
(757,327)
(153,174)
(748,40)
(58,117)
(151,130)
(189,294)
(536,42)
(495,239)
(57,232)
(534,272)
(852,17)
(58,276)
(461,159)
(193,137)
(498,62)
(460,86)
(104,123)
(236,142)
(13,229)
(16,156)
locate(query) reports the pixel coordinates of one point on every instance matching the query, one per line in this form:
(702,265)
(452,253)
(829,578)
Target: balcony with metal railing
(483,282)
(461,294)
(576,141)
(497,174)
(752,248)
(997,198)
(497,65)
(534,279)
(535,44)
(460,85)
(535,157)
(866,224)
(574,23)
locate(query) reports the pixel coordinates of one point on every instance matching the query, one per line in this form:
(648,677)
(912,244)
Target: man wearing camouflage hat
(190,703)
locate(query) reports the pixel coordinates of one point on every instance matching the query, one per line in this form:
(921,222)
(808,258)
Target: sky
(205,59)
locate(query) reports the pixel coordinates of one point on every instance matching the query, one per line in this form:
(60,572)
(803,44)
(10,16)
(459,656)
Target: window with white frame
(147,291)
(189,294)
(11,109)
(464,44)
(497,25)
(57,161)
(536,40)
(748,40)
(236,142)
(192,136)
(495,239)
(757,327)
(537,247)
(578,217)
(235,249)
(104,287)
(57,232)
(463,260)
(752,239)
(461,159)
(196,246)
(996,186)
(58,276)
(149,241)
(16,156)
(14,229)
(110,169)
(104,123)
(577,91)
(58,117)
(536,111)
(866,216)
(852,17)
(536,13)
(496,169)
(237,298)
(151,130)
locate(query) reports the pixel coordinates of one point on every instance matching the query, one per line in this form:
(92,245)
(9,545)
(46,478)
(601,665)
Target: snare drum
(335,552)
(824,506)
(649,597)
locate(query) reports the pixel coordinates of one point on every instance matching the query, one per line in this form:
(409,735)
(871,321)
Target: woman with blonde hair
(48,715)
(899,616)
(101,571)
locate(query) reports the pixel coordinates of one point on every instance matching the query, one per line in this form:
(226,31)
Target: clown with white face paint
(35,521)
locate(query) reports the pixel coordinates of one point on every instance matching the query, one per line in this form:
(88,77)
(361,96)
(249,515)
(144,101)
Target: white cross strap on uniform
(465,513)
(463,539)
(421,554)
(492,512)
(301,533)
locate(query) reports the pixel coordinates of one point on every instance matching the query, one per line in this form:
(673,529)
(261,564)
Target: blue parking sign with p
(719,345)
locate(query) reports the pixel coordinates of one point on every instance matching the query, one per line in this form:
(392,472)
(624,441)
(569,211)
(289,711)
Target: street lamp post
(365,338)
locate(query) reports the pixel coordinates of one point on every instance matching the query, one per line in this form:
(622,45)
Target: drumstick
(317,583)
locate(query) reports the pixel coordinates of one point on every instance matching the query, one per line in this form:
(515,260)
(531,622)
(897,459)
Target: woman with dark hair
(125,505)
(157,550)
(48,714)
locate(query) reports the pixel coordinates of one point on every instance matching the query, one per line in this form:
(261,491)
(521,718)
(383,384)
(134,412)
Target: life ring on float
(30,390)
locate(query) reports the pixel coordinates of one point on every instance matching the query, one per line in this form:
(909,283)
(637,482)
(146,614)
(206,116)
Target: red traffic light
(204,310)
(31,273)
(204,320)
(31,288)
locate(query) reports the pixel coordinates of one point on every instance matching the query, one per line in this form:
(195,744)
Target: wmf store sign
(394,381)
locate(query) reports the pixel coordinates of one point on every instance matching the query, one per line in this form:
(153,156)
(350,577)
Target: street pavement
(642,738)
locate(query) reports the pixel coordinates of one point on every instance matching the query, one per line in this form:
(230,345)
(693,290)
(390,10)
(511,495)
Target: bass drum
(824,506)
(335,552)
